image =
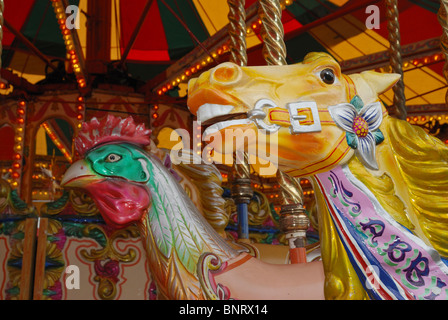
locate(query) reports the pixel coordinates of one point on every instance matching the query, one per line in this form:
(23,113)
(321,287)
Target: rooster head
(114,169)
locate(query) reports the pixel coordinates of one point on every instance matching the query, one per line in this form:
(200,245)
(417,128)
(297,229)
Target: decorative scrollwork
(209,264)
(10,202)
(106,260)
(81,202)
(4,194)
(107,273)
(14,230)
(107,277)
(109,251)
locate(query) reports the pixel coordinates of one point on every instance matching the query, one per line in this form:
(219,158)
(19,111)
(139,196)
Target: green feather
(159,224)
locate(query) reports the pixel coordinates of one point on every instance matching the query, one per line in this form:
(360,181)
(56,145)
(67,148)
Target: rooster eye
(113,157)
(327,76)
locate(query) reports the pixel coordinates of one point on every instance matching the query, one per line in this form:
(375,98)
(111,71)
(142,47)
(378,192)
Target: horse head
(376,178)
(293,102)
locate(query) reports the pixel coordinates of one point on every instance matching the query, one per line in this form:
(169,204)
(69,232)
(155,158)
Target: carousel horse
(381,184)
(187,258)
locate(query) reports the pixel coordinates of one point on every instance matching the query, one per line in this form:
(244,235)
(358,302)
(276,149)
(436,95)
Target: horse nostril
(226,73)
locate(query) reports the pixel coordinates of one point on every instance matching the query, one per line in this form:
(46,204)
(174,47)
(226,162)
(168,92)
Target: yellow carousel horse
(381,183)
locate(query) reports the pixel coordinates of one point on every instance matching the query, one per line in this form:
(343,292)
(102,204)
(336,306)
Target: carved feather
(186,245)
(160,227)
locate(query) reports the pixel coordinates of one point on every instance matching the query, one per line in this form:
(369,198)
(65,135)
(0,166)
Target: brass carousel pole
(293,220)
(237,32)
(240,175)
(274,49)
(393,27)
(443,20)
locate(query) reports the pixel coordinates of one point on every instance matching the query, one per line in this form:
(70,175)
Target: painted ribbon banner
(391,261)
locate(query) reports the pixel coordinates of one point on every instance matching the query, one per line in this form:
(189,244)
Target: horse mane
(383,188)
(422,161)
(207,179)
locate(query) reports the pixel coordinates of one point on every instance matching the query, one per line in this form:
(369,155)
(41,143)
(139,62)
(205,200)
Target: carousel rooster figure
(187,258)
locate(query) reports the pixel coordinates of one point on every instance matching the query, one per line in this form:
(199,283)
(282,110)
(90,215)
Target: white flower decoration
(361,124)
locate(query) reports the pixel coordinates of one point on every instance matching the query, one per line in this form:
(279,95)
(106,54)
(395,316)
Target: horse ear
(380,82)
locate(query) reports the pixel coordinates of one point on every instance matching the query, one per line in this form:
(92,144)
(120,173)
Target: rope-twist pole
(443,20)
(274,48)
(240,175)
(237,32)
(393,27)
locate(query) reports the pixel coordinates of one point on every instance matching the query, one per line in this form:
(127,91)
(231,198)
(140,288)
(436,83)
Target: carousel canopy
(171,30)
(156,46)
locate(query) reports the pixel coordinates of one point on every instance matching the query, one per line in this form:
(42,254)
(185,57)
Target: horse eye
(327,76)
(113,157)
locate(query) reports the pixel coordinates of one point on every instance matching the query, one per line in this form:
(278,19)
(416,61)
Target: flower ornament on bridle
(361,125)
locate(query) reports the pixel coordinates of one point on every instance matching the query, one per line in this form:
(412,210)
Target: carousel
(223,150)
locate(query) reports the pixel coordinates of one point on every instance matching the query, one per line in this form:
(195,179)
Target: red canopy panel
(21,10)
(416,24)
(151,43)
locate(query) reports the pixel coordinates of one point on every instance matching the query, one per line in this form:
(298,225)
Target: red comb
(110,129)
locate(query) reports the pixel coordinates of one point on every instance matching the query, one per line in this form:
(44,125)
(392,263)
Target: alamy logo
(373,20)
(72,281)
(72,21)
(253,142)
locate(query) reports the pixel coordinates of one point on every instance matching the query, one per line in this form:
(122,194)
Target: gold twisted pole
(293,220)
(393,27)
(443,20)
(241,192)
(274,48)
(237,32)
(291,190)
(240,175)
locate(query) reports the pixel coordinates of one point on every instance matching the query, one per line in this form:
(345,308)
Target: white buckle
(296,127)
(257,115)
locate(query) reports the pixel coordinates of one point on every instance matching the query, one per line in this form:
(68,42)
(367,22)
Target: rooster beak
(79,175)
